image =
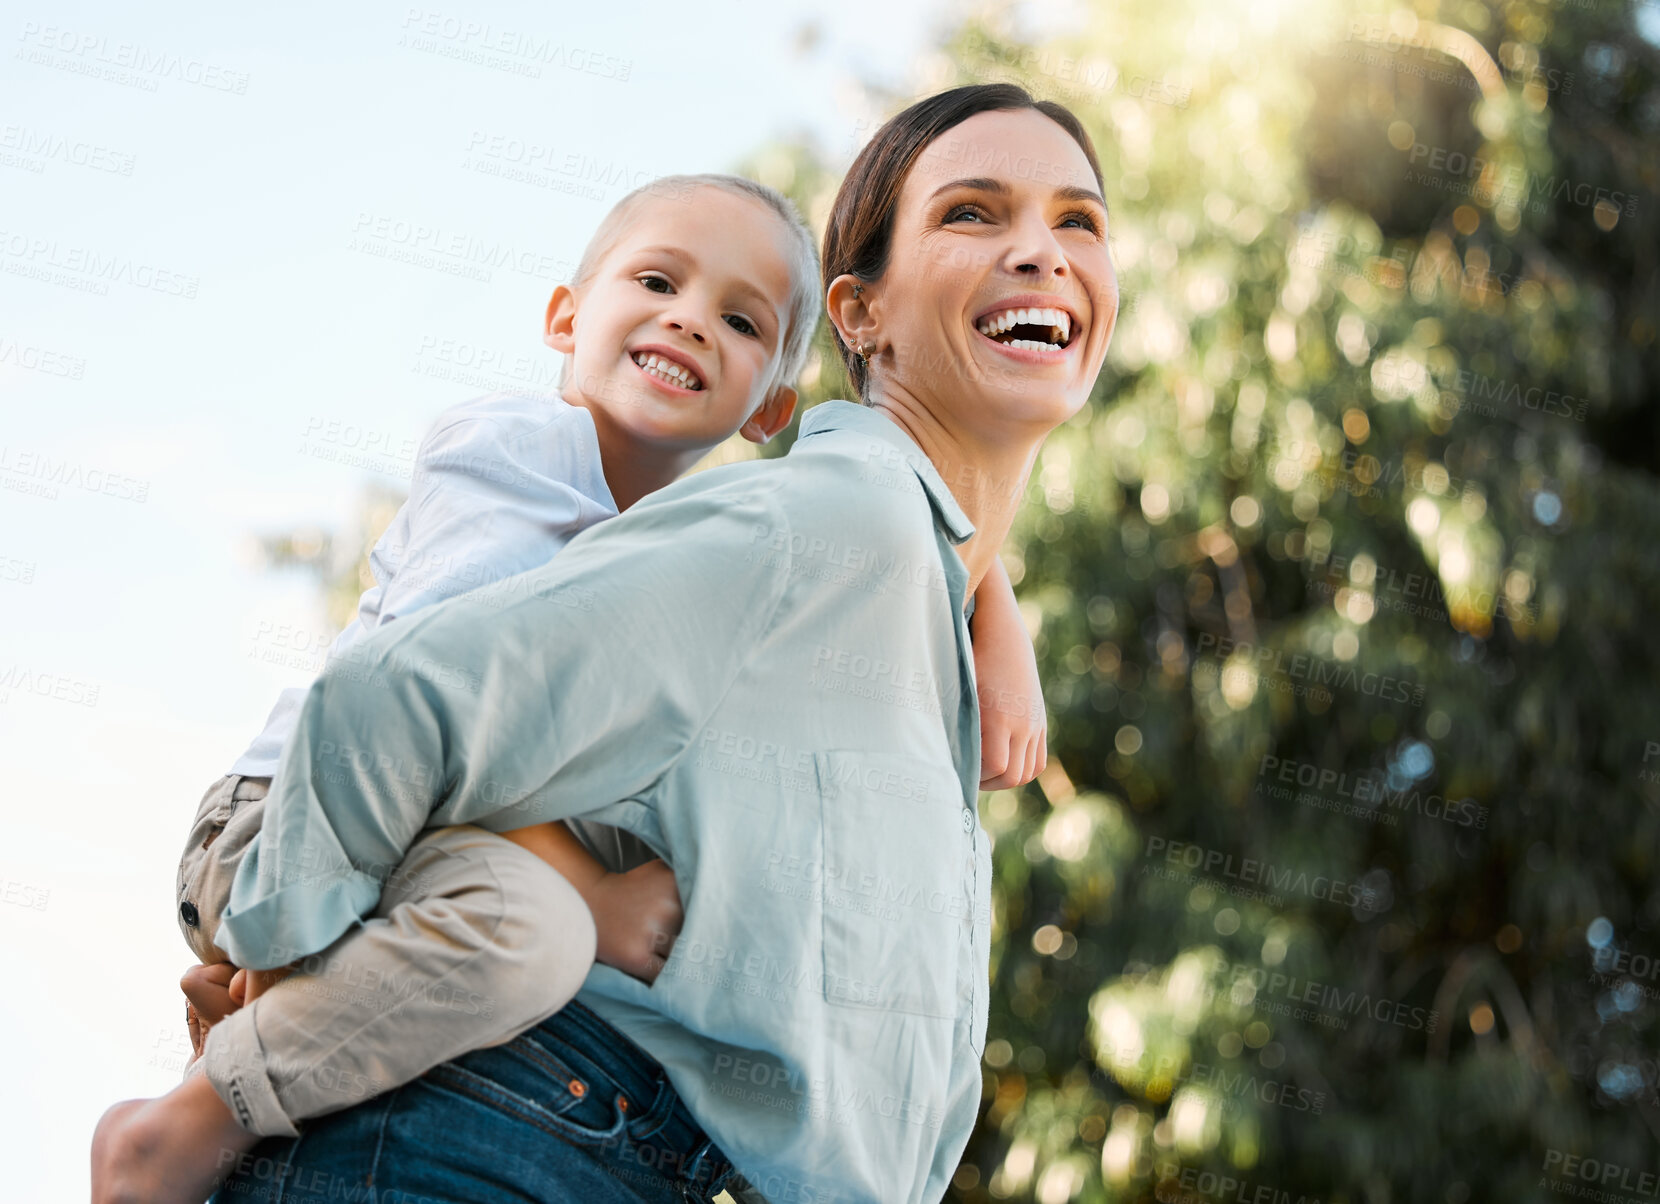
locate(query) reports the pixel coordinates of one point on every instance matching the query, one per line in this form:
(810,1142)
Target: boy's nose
(684,328)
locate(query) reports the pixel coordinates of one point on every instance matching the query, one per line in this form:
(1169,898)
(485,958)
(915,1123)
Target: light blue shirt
(501,484)
(763,671)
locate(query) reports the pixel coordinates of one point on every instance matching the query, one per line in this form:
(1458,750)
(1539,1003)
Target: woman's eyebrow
(1066,192)
(1072,192)
(979,183)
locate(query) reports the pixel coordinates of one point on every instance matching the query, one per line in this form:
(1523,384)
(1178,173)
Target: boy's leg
(475,940)
(229,815)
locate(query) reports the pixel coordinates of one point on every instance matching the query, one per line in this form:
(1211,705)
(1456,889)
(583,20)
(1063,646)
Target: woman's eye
(1082,221)
(657,284)
(742,324)
(963,212)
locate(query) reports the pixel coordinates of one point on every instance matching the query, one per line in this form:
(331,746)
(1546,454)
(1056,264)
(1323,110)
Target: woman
(773,675)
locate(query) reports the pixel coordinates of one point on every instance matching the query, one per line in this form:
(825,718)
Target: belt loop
(655,1117)
(694,1168)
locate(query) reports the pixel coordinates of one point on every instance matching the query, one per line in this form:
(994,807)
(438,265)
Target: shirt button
(187,912)
(968,820)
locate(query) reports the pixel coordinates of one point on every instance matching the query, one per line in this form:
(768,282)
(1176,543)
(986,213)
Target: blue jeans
(569,1111)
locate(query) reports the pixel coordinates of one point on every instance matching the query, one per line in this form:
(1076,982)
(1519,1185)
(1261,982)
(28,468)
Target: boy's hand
(637,915)
(1014,728)
(1014,737)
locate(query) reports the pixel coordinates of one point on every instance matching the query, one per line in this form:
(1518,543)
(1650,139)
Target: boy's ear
(773,416)
(559,327)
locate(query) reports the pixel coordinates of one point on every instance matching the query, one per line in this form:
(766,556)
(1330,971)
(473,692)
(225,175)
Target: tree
(1344,589)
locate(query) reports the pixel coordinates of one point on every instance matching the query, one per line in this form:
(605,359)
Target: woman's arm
(539,697)
(1013,723)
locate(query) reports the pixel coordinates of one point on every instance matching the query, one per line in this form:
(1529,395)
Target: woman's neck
(987,476)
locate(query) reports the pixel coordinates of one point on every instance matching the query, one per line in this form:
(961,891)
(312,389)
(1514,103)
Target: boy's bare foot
(171,1150)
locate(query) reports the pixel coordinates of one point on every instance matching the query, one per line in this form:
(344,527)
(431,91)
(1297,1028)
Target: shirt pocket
(894,900)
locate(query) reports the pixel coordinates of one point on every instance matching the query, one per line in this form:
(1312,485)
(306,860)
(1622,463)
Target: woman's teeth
(667,370)
(1053,326)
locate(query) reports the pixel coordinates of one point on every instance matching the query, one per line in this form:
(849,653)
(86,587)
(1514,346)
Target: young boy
(692,307)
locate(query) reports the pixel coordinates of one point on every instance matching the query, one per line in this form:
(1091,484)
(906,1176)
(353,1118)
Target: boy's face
(676,337)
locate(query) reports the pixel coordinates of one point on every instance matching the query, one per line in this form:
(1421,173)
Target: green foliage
(1342,589)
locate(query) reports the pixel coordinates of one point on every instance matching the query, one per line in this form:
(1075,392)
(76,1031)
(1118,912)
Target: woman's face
(999,295)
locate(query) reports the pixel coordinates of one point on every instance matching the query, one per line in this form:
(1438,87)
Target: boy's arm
(1013,723)
(637,914)
(543,696)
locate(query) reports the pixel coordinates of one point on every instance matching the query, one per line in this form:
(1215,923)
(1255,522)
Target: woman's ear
(773,416)
(559,327)
(848,305)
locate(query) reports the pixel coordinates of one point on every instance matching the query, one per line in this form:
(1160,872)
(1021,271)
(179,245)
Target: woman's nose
(1034,252)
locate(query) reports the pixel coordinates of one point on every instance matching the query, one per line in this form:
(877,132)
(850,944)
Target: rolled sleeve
(543,696)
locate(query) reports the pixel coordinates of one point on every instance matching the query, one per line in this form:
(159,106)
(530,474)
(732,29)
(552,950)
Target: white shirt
(501,484)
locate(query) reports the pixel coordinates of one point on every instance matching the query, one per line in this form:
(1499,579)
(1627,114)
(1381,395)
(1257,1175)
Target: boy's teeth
(668,370)
(1058,321)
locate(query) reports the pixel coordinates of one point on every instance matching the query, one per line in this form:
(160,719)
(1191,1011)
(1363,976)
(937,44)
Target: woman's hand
(207,992)
(1014,728)
(637,915)
(214,992)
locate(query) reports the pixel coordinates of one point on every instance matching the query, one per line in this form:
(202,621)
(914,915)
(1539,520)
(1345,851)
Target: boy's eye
(742,324)
(653,282)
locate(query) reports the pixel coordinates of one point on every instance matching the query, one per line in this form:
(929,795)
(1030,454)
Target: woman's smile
(1031,328)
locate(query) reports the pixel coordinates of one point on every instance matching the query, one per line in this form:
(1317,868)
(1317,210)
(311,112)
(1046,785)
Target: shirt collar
(847,415)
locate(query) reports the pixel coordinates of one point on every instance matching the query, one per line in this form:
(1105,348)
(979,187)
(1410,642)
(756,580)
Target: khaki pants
(474,940)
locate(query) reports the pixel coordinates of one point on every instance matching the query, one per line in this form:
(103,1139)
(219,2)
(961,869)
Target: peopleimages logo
(1264,662)
(1501,184)
(1371,791)
(1605,1175)
(1278,880)
(1326,1004)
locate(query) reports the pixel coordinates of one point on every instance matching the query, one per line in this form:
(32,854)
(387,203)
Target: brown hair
(859,234)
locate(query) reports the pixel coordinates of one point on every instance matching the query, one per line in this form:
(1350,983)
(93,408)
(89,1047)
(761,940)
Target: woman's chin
(1029,401)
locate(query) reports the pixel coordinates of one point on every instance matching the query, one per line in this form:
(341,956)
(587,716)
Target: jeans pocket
(526,1081)
(894,896)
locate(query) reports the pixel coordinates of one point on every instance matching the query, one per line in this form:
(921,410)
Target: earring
(865,350)
(858,289)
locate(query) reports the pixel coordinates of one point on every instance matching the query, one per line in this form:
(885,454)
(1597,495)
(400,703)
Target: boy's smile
(667,368)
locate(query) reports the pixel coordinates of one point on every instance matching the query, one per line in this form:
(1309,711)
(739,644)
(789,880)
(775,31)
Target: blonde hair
(805,303)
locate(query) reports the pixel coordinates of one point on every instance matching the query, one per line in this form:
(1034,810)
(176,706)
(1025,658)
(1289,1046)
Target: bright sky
(207,310)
